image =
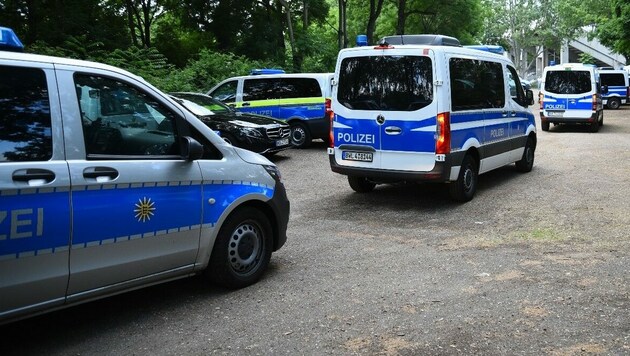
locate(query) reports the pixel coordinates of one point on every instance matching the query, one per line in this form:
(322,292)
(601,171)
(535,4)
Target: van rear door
(569,93)
(385,110)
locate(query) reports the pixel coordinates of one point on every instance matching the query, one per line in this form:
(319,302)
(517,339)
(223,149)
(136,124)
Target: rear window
(386,83)
(613,79)
(568,82)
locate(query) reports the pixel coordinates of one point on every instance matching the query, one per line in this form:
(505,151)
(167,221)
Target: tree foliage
(193,44)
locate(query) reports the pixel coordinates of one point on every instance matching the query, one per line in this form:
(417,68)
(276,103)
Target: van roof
(463,51)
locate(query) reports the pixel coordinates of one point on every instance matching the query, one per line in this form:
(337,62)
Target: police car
(423,108)
(571,93)
(301,99)
(108,184)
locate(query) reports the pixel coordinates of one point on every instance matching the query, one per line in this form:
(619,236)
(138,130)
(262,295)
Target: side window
(299,88)
(25,122)
(260,89)
(119,119)
(516,89)
(226,92)
(476,84)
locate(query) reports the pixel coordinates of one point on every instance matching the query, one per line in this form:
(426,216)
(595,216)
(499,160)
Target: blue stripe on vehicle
(141,211)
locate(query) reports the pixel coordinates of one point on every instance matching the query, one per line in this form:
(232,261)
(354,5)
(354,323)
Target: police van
(570,93)
(108,184)
(301,99)
(618,88)
(423,108)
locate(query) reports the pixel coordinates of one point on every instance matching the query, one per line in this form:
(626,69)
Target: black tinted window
(388,83)
(25,124)
(568,81)
(613,79)
(260,89)
(299,88)
(226,92)
(476,84)
(119,119)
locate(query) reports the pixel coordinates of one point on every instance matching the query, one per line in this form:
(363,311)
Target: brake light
(443,142)
(594,102)
(540,100)
(331,116)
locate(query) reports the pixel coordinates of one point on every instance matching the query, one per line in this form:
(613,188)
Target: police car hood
(246,120)
(252,157)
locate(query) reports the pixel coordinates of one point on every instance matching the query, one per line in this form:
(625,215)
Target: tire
(544,125)
(613,103)
(361,184)
(242,250)
(300,136)
(464,188)
(527,161)
(601,120)
(595,126)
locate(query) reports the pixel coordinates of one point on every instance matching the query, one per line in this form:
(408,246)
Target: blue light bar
(362,40)
(488,48)
(266,71)
(9,41)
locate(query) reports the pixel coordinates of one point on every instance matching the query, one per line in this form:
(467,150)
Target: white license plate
(357,156)
(555,113)
(283,142)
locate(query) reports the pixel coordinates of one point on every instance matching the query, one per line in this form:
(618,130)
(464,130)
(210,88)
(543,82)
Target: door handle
(33,174)
(504,114)
(101,174)
(246,104)
(393,130)
(513,113)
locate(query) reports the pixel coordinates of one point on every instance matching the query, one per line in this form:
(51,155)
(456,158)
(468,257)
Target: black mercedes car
(256,133)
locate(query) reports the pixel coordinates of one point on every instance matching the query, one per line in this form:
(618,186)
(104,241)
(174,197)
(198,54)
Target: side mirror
(604,89)
(191,149)
(529,97)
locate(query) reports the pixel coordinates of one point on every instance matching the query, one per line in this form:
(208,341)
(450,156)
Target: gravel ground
(535,264)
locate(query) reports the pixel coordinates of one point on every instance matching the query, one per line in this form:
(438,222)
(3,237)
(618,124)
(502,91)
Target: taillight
(540,100)
(331,116)
(594,102)
(443,143)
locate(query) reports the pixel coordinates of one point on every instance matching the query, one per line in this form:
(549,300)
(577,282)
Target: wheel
(595,126)
(242,250)
(601,119)
(614,103)
(544,125)
(300,136)
(463,189)
(361,184)
(527,161)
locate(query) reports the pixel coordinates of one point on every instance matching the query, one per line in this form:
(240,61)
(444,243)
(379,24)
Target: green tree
(614,27)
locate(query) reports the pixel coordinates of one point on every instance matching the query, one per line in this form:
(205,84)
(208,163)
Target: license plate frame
(555,113)
(357,156)
(282,142)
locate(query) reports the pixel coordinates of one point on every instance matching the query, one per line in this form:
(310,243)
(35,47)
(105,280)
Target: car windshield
(204,101)
(388,83)
(568,81)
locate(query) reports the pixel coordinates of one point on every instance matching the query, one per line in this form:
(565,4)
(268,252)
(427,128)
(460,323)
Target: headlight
(274,172)
(251,132)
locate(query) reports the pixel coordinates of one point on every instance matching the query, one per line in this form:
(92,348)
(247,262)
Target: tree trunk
(342,33)
(375,11)
(402,17)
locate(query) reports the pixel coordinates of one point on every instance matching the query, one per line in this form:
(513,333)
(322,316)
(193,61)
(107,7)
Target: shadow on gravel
(607,128)
(142,309)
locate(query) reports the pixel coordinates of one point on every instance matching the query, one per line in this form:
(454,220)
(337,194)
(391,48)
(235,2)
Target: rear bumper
(440,173)
(569,120)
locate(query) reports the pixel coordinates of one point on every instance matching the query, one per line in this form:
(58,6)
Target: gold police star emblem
(144,209)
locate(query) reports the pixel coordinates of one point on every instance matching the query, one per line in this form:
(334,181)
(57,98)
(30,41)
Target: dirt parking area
(535,264)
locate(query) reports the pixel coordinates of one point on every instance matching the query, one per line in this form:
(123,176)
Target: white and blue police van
(108,185)
(300,99)
(617,85)
(423,108)
(571,93)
